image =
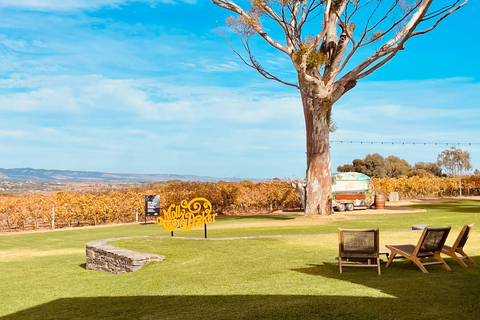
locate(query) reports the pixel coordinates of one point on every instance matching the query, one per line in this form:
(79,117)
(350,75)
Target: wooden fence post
(53,217)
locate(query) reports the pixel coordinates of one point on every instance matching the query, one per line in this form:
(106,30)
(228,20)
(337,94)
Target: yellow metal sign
(187,215)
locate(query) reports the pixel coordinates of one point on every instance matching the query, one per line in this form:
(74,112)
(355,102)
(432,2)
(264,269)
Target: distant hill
(29,174)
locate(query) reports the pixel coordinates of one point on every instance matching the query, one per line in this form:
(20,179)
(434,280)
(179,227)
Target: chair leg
(454,256)
(439,258)
(378,264)
(421,260)
(390,259)
(340,264)
(419,264)
(465,255)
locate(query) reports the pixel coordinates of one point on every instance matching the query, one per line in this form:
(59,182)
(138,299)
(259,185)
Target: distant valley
(28,180)
(42,175)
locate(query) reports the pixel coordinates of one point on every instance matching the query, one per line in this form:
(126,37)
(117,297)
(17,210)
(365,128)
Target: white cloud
(92,122)
(146,99)
(67,5)
(248,110)
(13,133)
(169,100)
(223,67)
(398,113)
(187,65)
(16,45)
(174,118)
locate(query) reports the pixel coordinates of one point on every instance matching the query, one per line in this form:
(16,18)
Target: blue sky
(150,87)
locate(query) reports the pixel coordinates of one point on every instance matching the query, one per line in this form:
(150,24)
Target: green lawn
(43,275)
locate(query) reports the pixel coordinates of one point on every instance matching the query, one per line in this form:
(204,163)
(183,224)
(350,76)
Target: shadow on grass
(438,294)
(401,292)
(212,307)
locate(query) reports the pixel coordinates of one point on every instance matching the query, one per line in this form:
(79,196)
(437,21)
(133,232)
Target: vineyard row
(76,208)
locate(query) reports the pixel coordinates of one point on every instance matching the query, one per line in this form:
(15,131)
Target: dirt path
(401,206)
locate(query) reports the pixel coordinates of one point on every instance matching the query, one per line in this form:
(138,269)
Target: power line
(407,143)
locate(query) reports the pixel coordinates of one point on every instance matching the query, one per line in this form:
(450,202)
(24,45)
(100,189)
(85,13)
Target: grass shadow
(437,293)
(185,307)
(402,291)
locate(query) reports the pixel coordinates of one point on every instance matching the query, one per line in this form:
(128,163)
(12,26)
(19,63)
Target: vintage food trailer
(352,189)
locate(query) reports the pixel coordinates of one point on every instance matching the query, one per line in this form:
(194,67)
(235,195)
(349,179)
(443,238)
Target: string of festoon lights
(407,143)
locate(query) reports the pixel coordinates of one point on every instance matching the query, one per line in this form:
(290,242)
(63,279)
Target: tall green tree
(326,61)
(454,161)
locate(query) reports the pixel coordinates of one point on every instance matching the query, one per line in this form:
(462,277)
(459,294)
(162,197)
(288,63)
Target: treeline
(451,162)
(76,208)
(374,165)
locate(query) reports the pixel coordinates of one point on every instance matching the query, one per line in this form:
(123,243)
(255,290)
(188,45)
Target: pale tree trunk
(317,122)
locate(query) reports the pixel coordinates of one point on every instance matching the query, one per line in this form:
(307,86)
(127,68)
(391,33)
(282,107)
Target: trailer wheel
(350,206)
(341,207)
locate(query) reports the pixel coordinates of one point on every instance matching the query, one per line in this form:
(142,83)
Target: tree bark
(317,113)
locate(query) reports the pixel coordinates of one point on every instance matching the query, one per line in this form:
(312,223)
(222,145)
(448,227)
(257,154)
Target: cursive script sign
(187,215)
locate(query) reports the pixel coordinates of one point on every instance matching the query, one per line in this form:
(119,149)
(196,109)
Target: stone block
(103,257)
(393,197)
(420,226)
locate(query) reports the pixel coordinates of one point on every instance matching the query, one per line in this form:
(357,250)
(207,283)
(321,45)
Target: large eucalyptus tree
(324,61)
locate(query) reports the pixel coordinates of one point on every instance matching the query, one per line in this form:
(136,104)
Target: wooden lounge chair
(458,246)
(359,246)
(429,246)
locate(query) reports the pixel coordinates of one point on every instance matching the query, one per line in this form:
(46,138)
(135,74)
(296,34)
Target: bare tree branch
(392,46)
(235,8)
(440,19)
(411,25)
(291,16)
(441,11)
(253,63)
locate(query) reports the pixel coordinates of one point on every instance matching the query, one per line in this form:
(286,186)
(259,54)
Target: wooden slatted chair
(429,245)
(458,245)
(358,247)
